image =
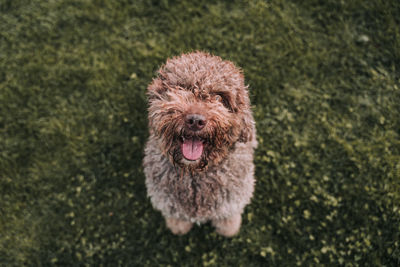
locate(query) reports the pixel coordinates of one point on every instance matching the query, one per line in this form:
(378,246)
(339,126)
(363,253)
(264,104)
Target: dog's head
(199,108)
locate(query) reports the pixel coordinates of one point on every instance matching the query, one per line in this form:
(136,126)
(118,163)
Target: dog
(198,158)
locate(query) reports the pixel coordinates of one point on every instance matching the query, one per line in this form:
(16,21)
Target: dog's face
(199,108)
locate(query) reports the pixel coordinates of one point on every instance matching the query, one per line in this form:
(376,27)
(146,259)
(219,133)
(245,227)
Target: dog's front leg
(229,226)
(178,226)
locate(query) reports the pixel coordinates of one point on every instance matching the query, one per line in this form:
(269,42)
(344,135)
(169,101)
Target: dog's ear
(156,89)
(247,124)
(248,127)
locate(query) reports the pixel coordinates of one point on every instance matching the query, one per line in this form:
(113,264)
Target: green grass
(324,79)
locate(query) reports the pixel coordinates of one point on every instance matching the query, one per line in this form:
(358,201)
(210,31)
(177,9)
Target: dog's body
(199,157)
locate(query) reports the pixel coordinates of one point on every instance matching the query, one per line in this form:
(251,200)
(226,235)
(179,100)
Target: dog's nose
(195,122)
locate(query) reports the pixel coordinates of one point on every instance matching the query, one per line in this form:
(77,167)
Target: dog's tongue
(192,148)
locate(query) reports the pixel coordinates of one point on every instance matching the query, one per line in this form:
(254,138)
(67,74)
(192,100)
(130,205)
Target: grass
(324,79)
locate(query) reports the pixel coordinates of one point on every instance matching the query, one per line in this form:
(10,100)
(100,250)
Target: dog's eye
(224,100)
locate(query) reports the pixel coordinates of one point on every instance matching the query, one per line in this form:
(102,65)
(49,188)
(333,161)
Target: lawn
(324,79)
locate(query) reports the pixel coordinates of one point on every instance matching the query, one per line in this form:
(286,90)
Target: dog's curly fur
(220,183)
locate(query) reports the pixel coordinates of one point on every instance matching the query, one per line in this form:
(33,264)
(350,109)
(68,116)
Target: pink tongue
(192,149)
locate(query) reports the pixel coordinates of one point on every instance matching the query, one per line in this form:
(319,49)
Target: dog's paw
(177,226)
(228,227)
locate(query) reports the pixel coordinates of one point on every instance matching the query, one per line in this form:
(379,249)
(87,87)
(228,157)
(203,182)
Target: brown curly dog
(199,156)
